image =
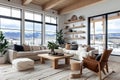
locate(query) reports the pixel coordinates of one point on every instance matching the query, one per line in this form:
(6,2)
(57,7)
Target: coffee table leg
(42,60)
(55,64)
(67,61)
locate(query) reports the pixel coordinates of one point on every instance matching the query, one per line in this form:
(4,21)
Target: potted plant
(3,48)
(59,37)
(52,46)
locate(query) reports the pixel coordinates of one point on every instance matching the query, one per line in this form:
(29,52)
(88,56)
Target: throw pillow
(98,57)
(74,47)
(89,48)
(26,47)
(36,48)
(18,47)
(43,47)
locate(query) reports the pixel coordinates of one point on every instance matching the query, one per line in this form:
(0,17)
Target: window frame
(12,18)
(52,24)
(106,26)
(33,23)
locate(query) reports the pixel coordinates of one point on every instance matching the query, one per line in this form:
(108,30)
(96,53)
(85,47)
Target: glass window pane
(50,28)
(114,35)
(37,27)
(10,24)
(47,19)
(37,38)
(50,33)
(50,37)
(5,11)
(29,37)
(53,20)
(16,13)
(28,25)
(29,15)
(97,34)
(37,17)
(13,36)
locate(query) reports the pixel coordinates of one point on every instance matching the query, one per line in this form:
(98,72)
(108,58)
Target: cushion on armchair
(98,57)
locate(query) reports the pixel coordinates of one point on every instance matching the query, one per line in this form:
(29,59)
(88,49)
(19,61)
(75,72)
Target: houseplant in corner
(3,48)
(52,46)
(59,38)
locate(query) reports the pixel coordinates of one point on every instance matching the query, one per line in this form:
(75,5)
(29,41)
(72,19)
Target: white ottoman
(22,64)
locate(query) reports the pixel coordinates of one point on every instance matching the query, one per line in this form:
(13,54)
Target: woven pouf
(75,70)
(22,64)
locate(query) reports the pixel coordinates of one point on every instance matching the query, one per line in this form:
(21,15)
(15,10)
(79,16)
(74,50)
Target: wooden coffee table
(55,59)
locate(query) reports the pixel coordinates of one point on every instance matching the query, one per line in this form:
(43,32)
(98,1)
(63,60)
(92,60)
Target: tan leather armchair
(98,66)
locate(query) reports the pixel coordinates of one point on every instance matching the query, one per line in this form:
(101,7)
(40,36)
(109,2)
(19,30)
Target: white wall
(95,9)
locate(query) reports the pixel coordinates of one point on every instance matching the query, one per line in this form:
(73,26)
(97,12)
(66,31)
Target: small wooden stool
(75,70)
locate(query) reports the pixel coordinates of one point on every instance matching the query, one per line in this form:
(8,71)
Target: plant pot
(3,59)
(58,50)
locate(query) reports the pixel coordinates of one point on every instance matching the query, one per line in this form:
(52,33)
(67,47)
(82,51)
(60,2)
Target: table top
(52,57)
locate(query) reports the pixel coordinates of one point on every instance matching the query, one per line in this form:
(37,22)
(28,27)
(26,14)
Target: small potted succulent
(3,48)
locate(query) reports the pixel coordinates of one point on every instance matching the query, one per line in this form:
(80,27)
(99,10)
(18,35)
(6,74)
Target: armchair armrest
(12,55)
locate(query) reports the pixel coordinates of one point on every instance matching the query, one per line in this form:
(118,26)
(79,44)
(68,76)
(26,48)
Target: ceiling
(62,6)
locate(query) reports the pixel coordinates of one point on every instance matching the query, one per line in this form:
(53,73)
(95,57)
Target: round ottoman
(75,70)
(22,64)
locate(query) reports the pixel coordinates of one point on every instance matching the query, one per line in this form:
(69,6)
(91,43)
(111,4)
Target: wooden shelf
(78,32)
(74,35)
(77,27)
(75,38)
(68,22)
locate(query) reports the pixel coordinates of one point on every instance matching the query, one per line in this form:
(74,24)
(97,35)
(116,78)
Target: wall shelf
(78,32)
(82,26)
(68,22)
(74,30)
(82,38)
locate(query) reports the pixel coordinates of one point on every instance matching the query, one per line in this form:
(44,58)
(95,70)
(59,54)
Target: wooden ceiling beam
(26,2)
(81,3)
(52,4)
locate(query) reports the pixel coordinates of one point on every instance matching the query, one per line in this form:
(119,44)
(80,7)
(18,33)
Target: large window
(114,33)
(33,26)
(105,32)
(27,28)
(10,24)
(50,28)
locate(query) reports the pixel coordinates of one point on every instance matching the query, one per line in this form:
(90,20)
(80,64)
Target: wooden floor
(46,72)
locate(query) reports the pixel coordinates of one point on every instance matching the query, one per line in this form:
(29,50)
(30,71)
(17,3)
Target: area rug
(46,72)
(87,75)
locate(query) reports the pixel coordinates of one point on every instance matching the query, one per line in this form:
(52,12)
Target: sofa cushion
(26,47)
(35,48)
(18,47)
(74,46)
(43,47)
(89,48)
(26,53)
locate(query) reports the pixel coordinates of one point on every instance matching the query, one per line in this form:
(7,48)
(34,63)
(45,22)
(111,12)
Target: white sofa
(32,53)
(35,50)
(81,52)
